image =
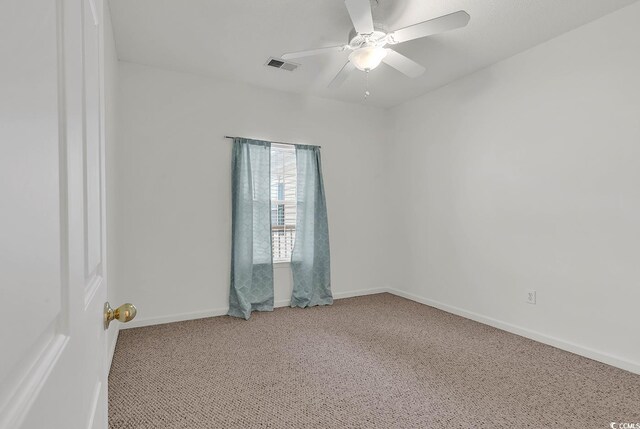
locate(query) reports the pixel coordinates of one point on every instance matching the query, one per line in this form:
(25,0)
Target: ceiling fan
(368,41)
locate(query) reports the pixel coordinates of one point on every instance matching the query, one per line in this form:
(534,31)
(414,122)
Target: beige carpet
(370,362)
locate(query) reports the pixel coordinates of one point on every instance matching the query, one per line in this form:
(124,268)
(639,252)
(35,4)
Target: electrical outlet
(531,297)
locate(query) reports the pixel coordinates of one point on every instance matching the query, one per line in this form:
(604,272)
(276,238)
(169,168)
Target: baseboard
(524,332)
(112,346)
(176,317)
(221,311)
(360,292)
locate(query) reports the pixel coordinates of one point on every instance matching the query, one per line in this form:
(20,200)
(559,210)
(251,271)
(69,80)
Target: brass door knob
(124,313)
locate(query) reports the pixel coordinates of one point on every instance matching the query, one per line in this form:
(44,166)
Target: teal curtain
(251,262)
(310,256)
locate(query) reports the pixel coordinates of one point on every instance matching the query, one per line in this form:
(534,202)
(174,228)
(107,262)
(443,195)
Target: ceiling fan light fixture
(368,41)
(367,58)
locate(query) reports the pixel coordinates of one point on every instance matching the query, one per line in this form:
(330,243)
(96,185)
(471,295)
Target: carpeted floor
(378,361)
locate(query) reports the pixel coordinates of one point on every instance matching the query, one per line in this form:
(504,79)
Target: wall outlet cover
(531,297)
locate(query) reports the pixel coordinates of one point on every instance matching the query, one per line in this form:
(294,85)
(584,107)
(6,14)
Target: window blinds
(283,200)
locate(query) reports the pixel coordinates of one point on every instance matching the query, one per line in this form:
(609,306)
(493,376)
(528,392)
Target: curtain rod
(292,144)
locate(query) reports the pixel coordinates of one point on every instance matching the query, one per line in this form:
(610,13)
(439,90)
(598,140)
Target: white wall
(110,62)
(172,190)
(526,175)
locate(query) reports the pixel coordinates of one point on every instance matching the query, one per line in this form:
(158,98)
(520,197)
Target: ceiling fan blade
(403,64)
(360,13)
(292,55)
(342,75)
(433,26)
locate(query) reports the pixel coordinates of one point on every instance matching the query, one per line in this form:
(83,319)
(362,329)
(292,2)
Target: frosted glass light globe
(367,58)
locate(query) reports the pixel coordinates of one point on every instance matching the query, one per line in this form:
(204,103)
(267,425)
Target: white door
(53,372)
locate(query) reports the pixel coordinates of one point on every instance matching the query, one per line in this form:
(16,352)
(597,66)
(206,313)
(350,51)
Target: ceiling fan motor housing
(377,38)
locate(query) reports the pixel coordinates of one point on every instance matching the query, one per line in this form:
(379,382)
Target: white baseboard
(176,317)
(112,346)
(221,311)
(524,332)
(360,292)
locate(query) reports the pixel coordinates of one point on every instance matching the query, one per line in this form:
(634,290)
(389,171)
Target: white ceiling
(232,39)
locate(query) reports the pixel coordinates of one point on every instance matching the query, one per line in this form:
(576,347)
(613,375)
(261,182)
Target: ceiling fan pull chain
(366,85)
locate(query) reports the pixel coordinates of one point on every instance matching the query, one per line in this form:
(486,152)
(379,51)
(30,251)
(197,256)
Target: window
(283,201)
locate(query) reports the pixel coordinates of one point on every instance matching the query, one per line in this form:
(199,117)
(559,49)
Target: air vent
(280,64)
